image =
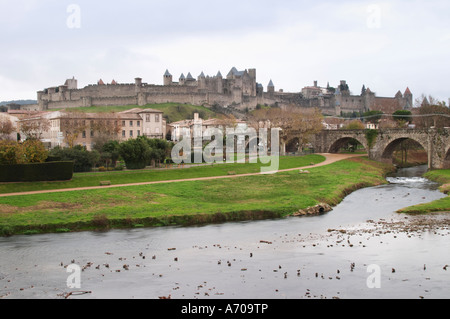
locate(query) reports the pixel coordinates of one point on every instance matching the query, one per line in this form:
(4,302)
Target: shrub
(159,149)
(36,172)
(11,153)
(34,151)
(30,151)
(354,125)
(136,153)
(119,167)
(110,153)
(82,158)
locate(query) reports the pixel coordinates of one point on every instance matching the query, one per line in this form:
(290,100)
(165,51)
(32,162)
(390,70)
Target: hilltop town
(238,90)
(238,94)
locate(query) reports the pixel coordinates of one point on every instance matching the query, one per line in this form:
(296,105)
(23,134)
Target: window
(123,123)
(157,118)
(138,133)
(131,123)
(92,133)
(131,133)
(84,134)
(147,117)
(123,134)
(138,123)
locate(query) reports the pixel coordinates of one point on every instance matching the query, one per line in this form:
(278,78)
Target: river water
(361,249)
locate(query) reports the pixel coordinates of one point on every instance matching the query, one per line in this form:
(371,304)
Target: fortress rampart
(238,89)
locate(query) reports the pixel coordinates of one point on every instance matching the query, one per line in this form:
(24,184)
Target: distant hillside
(173,112)
(21,102)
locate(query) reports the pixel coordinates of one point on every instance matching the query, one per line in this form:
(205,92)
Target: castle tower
(202,81)
(219,82)
(343,87)
(259,89)
(408,98)
(182,79)
(369,100)
(271,87)
(190,80)
(138,81)
(252,73)
(167,78)
(72,84)
(137,85)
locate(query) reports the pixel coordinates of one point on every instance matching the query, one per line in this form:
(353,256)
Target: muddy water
(324,256)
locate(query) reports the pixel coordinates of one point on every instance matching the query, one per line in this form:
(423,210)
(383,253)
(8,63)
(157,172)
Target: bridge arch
(435,143)
(395,144)
(343,141)
(292,145)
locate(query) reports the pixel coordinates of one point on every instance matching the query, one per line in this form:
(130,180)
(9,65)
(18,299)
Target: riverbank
(147,176)
(443,205)
(189,202)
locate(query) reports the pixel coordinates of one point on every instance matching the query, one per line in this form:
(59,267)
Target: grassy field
(151,175)
(186,203)
(442,205)
(172,111)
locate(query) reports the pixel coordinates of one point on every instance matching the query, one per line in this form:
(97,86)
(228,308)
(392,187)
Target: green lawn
(441,205)
(172,111)
(150,175)
(193,202)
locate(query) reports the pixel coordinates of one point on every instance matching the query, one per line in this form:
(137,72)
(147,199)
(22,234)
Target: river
(361,249)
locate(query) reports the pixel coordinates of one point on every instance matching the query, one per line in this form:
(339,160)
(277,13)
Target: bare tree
(424,100)
(33,126)
(104,127)
(73,124)
(6,128)
(293,121)
(430,111)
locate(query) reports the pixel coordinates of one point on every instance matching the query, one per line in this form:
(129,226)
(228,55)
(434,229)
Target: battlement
(238,89)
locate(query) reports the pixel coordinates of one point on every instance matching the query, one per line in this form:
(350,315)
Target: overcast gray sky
(386,45)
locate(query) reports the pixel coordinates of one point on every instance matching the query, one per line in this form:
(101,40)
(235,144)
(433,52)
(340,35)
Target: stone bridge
(435,141)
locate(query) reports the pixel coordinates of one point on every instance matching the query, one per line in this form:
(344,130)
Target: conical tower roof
(189,76)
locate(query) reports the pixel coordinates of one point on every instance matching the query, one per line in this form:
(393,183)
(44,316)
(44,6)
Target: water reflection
(285,258)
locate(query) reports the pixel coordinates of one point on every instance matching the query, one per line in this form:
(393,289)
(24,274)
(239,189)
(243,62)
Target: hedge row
(36,172)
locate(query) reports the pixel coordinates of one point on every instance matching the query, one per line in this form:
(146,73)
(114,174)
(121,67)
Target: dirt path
(330,158)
